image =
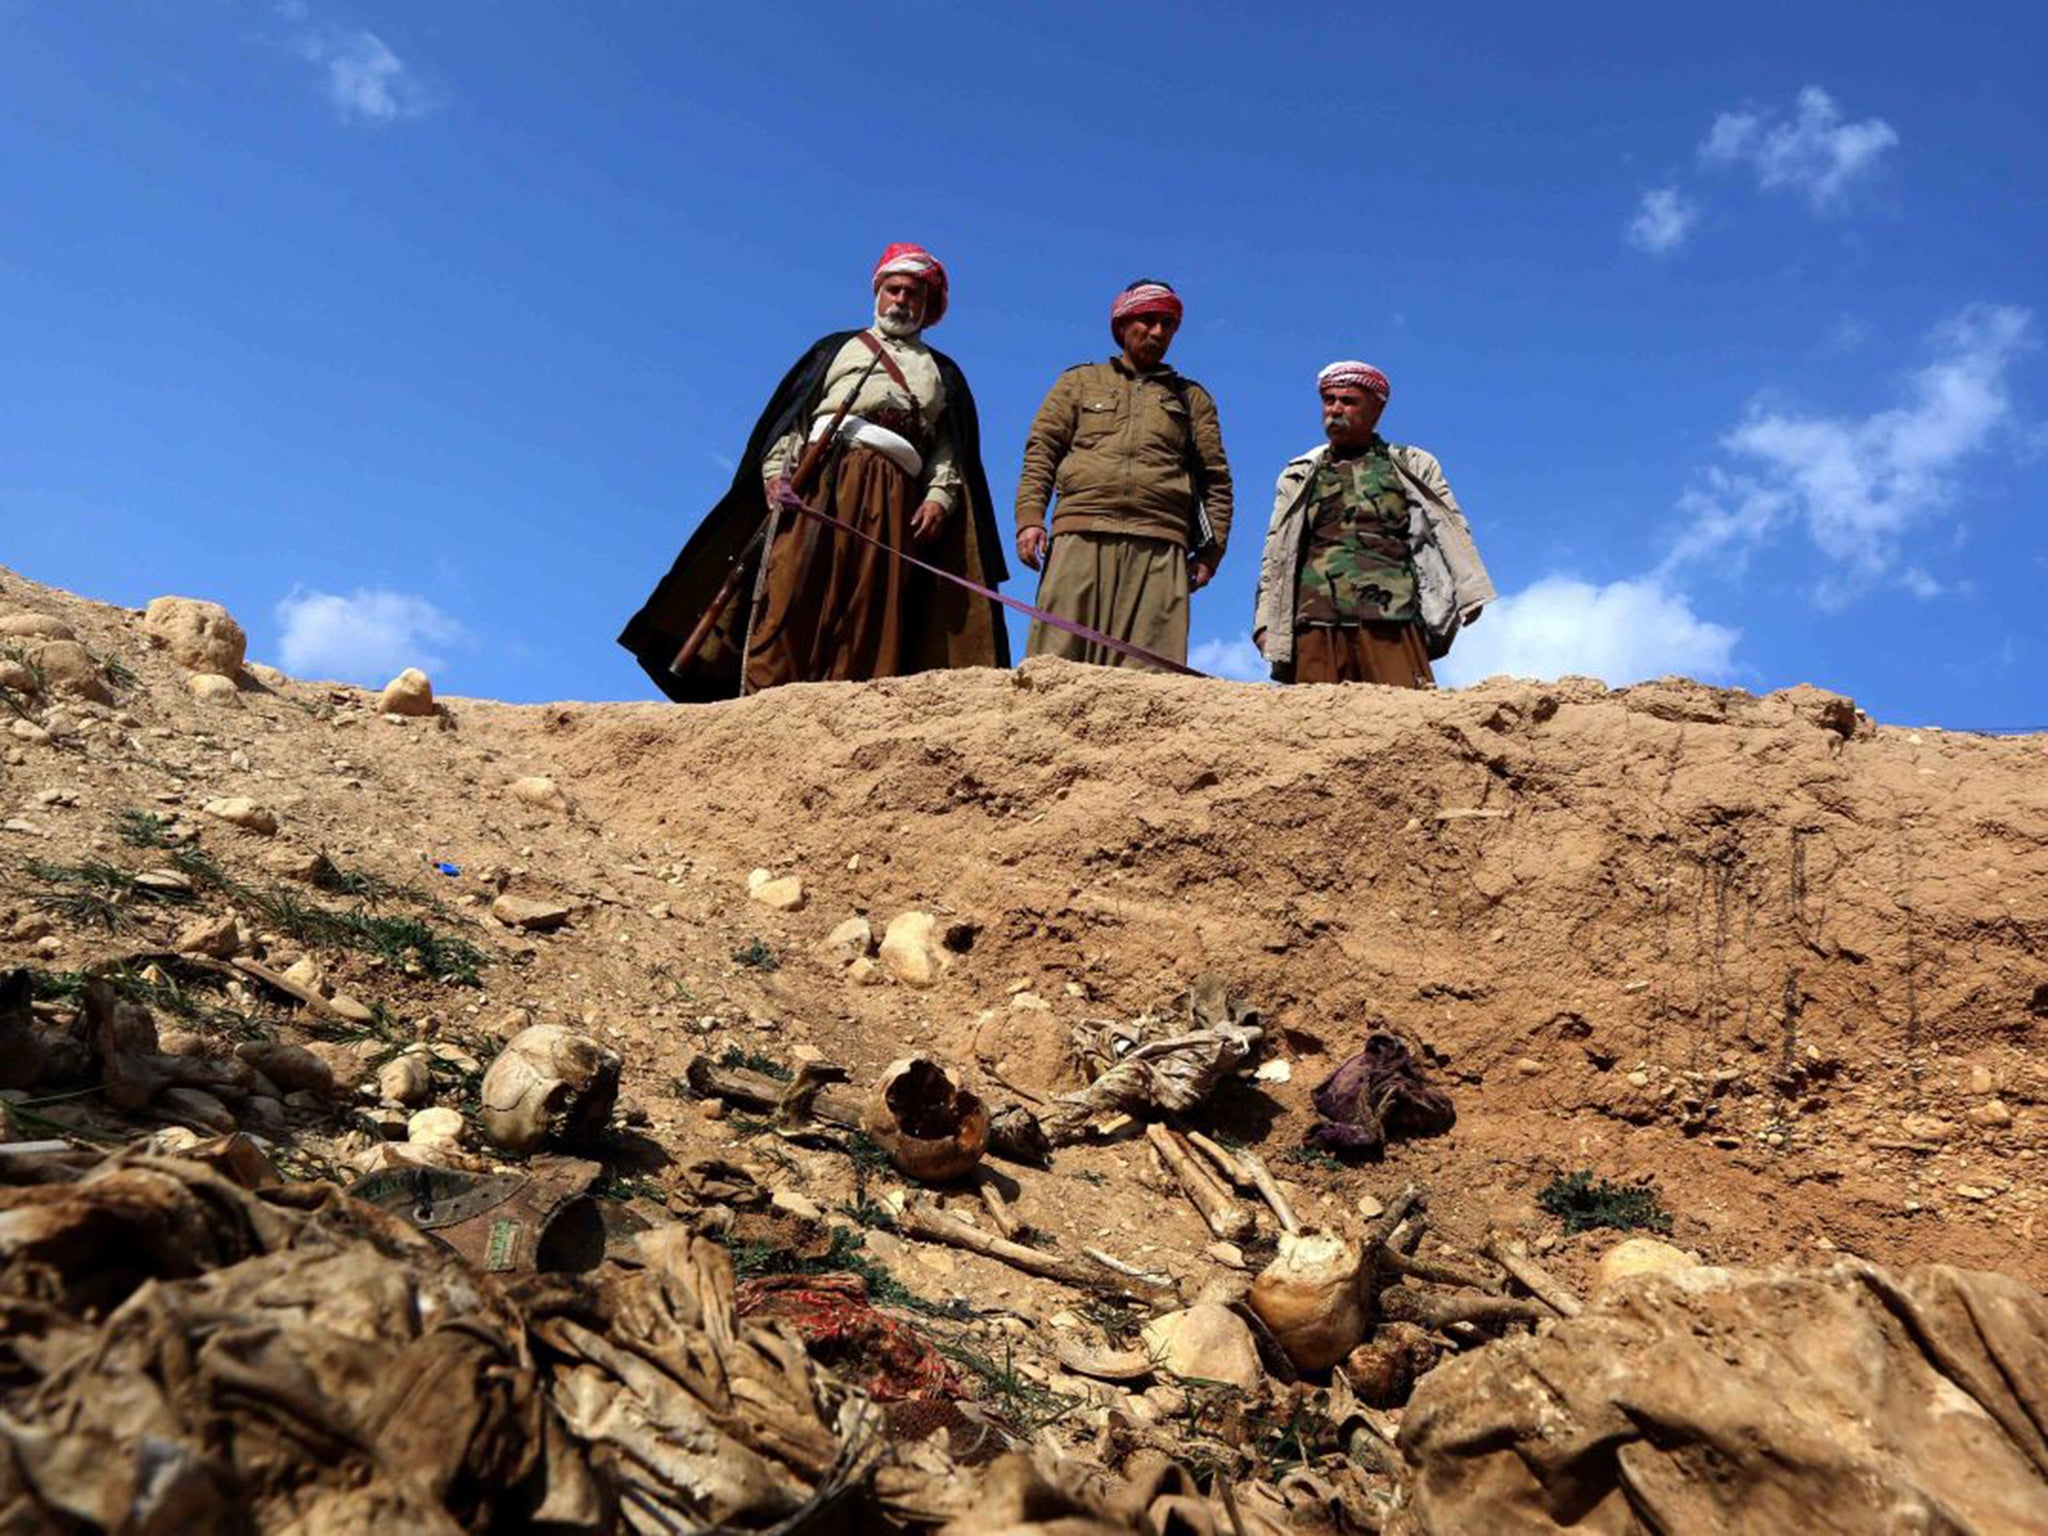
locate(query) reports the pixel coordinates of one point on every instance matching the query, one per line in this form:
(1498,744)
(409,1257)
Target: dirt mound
(1778,972)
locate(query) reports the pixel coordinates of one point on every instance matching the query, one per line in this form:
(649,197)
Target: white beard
(897,323)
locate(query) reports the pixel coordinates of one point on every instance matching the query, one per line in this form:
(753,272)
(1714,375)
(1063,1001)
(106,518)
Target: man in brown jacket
(1134,453)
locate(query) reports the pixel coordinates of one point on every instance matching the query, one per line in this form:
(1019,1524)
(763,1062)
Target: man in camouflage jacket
(1369,568)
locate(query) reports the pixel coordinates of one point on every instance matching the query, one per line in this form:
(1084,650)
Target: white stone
(405,1080)
(437,1126)
(409,693)
(911,951)
(241,811)
(213,936)
(1636,1256)
(200,636)
(785,894)
(540,791)
(212,688)
(525,912)
(850,941)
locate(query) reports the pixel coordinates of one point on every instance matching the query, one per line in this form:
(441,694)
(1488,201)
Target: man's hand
(1031,546)
(1199,574)
(926,522)
(778,488)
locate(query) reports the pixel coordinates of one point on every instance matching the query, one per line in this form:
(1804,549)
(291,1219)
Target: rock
(352,1010)
(864,972)
(291,862)
(30,732)
(293,1068)
(16,678)
(1992,1115)
(181,1042)
(212,688)
(241,811)
(911,950)
(1028,1002)
(405,1080)
(1207,1341)
(1528,1066)
(347,1070)
(550,1087)
(783,894)
(68,668)
(215,936)
(199,636)
(1636,1256)
(525,912)
(541,792)
(23,625)
(264,1114)
(1830,711)
(1981,1081)
(1926,1128)
(305,972)
(850,941)
(199,1106)
(800,1206)
(409,693)
(437,1126)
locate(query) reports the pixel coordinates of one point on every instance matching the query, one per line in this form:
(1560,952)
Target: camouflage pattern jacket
(1450,579)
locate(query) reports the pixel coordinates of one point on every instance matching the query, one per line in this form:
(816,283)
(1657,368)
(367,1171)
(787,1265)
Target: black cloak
(973,625)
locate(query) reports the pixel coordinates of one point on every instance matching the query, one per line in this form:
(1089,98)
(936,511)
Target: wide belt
(859,432)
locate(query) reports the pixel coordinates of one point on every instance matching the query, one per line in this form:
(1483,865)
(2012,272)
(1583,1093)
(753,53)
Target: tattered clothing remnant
(1377,1095)
(1168,1059)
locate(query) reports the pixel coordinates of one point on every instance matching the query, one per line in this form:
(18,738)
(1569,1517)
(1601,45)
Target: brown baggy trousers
(1376,651)
(836,608)
(1132,588)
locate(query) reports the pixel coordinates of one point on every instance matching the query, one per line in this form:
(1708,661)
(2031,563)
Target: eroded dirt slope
(1793,965)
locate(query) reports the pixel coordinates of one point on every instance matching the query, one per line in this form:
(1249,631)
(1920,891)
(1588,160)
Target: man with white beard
(901,475)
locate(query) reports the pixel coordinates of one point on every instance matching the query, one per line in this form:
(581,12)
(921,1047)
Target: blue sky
(423,333)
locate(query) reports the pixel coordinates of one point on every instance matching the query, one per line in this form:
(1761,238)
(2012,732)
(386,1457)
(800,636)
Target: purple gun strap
(795,503)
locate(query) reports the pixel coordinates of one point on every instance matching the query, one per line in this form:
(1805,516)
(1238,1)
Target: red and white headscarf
(1354,375)
(919,263)
(1146,298)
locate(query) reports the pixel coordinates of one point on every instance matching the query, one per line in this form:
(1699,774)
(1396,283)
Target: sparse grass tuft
(114,671)
(407,943)
(1313,1157)
(1583,1202)
(142,829)
(738,1058)
(756,955)
(94,892)
(1027,1406)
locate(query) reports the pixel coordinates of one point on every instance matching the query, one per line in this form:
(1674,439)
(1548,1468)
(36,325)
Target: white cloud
(1238,659)
(1663,220)
(364,79)
(1814,152)
(1860,485)
(367,637)
(1622,632)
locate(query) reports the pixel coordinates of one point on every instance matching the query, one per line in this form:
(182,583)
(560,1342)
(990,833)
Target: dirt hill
(1787,964)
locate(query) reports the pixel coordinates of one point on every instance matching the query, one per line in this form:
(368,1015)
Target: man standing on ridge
(1134,452)
(901,464)
(1369,568)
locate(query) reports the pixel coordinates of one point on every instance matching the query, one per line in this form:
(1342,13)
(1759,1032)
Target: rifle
(806,471)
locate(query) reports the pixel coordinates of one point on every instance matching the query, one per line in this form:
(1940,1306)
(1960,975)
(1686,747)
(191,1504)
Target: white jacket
(1450,579)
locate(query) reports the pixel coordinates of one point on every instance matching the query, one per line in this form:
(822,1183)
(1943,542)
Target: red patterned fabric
(1353,375)
(840,1325)
(1145,299)
(918,262)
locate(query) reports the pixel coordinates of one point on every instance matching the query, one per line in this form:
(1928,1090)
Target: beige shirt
(941,478)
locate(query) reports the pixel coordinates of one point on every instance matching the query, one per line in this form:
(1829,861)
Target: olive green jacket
(1114,447)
